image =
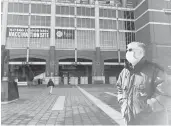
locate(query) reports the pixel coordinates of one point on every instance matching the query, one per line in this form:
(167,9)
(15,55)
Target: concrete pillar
(5,73)
(75,25)
(23,71)
(3,35)
(53,9)
(52,63)
(97,27)
(48,67)
(56,67)
(98,63)
(4,22)
(4,55)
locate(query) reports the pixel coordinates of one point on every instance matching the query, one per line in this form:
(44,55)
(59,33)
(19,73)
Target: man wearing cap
(143,90)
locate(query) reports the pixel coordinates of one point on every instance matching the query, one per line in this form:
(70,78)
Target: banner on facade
(23,32)
(64,34)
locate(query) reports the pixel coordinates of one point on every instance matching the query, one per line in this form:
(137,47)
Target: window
(18,7)
(65,10)
(85,23)
(64,22)
(41,8)
(108,39)
(85,39)
(107,24)
(65,1)
(17,19)
(126,14)
(84,11)
(107,13)
(126,25)
(129,25)
(40,20)
(130,37)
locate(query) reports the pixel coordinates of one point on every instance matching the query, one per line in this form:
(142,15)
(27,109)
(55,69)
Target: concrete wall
(154,29)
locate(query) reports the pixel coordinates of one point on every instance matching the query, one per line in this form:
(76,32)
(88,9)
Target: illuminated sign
(23,32)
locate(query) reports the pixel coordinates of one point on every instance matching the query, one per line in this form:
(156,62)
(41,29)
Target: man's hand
(155,105)
(151,101)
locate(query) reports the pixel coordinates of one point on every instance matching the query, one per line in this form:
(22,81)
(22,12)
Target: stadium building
(83,41)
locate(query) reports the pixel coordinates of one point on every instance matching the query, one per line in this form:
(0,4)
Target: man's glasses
(129,50)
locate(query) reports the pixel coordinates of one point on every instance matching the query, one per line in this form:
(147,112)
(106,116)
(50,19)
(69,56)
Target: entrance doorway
(25,72)
(69,69)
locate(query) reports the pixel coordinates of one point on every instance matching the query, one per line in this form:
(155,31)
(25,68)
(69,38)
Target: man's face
(134,54)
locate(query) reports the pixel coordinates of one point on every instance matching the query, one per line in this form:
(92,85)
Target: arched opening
(26,72)
(68,69)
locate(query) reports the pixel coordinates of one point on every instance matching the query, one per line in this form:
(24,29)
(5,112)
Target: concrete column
(2,59)
(98,63)
(56,67)
(51,63)
(3,36)
(23,71)
(53,9)
(28,40)
(97,28)
(75,25)
(4,22)
(118,41)
(4,55)
(48,67)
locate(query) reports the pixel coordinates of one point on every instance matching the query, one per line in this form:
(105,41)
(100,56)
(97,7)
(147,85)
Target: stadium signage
(23,32)
(64,34)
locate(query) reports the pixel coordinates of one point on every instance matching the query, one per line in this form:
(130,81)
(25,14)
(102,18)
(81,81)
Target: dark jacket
(50,83)
(137,85)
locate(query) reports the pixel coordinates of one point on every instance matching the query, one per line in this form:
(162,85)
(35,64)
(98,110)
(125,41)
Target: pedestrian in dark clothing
(38,81)
(51,85)
(143,89)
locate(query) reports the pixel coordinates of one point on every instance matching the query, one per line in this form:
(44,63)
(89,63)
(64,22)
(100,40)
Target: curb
(7,102)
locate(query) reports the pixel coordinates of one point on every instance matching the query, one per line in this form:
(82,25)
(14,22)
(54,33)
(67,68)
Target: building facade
(67,38)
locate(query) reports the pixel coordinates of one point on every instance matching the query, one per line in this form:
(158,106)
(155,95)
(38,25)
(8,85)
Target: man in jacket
(142,89)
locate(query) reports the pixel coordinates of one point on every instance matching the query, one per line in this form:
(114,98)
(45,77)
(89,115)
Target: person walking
(51,85)
(143,89)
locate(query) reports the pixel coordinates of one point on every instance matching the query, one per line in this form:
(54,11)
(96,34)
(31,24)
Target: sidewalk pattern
(37,110)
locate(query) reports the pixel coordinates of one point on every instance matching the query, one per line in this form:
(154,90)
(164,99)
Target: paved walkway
(35,108)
